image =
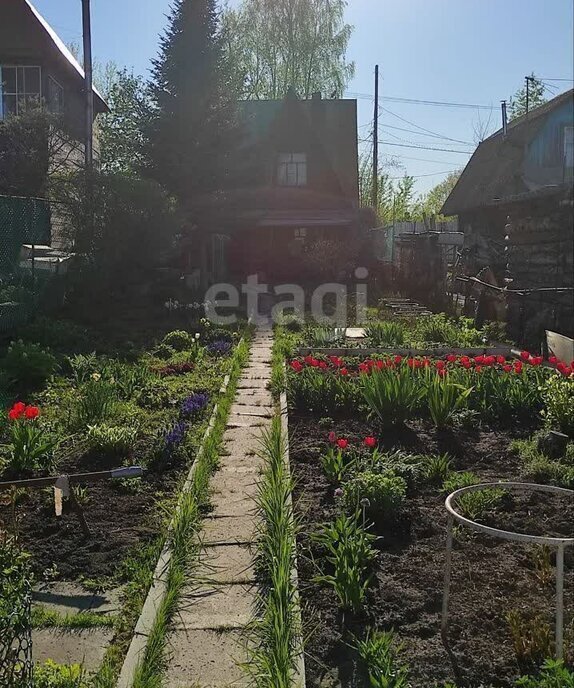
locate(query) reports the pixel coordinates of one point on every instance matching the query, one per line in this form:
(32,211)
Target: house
(302,207)
(37,67)
(514,202)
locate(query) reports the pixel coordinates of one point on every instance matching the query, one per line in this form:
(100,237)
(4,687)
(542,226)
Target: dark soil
(490,576)
(120,517)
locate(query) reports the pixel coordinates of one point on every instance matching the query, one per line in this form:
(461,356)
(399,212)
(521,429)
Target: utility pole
(376,143)
(89,103)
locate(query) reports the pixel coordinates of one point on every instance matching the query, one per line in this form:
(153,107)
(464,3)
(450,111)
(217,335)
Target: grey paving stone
(71,598)
(229,530)
(226,564)
(215,607)
(83,646)
(253,383)
(239,421)
(213,656)
(251,410)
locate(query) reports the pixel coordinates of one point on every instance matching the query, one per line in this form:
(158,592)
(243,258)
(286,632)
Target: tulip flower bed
(376,445)
(96,412)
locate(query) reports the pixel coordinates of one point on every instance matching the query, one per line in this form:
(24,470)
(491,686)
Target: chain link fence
(16,666)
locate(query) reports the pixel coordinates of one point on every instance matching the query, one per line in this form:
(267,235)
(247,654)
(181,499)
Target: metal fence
(16,666)
(22,221)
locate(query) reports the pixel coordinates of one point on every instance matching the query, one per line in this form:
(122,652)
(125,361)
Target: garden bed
(503,593)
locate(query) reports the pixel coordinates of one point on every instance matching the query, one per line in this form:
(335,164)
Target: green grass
(48,618)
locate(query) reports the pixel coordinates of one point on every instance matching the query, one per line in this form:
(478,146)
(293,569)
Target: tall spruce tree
(193,138)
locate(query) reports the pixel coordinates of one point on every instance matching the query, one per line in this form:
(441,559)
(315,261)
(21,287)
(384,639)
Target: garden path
(207,643)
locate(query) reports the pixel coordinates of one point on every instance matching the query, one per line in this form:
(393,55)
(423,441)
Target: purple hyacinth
(194,404)
(175,436)
(219,348)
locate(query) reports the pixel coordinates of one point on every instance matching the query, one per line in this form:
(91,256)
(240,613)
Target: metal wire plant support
(559,543)
(16,667)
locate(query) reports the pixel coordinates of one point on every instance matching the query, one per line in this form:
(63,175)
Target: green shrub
(379,655)
(409,467)
(163,351)
(437,467)
(154,395)
(180,340)
(27,365)
(52,675)
(541,468)
(112,439)
(387,333)
(82,367)
(392,395)
(558,399)
(381,494)
(350,553)
(15,586)
(553,674)
(128,378)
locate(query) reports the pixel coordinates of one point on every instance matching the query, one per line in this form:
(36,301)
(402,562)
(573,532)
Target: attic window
(292,169)
(21,88)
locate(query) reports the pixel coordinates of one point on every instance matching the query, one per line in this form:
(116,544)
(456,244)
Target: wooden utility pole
(89,102)
(376,143)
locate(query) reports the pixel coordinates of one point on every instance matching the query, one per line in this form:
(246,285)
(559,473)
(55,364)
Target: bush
(112,439)
(382,494)
(154,395)
(180,340)
(97,402)
(163,351)
(558,399)
(553,674)
(543,469)
(53,675)
(27,365)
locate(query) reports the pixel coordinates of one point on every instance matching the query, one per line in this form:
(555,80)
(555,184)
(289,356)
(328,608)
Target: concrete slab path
(207,640)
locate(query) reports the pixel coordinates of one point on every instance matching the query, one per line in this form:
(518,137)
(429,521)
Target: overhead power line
(422,133)
(418,176)
(444,150)
(428,131)
(416,101)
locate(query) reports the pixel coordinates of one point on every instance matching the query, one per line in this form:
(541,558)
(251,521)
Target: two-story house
(514,202)
(306,187)
(37,68)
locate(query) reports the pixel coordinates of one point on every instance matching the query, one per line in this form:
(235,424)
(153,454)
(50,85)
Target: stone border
(158,589)
(299,678)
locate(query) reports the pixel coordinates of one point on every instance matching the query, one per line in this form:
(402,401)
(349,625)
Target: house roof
(65,52)
(494,172)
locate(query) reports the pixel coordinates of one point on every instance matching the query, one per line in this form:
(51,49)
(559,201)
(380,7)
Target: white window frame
(292,169)
(17,93)
(301,233)
(48,103)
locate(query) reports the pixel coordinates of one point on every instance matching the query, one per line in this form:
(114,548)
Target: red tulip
(380,365)
(308,360)
(518,367)
(478,369)
(342,444)
(451,358)
(370,442)
(32,412)
(332,437)
(489,360)
(13,414)
(344,371)
(440,365)
(507,368)
(500,359)
(441,372)
(398,359)
(363,368)
(479,359)
(524,355)
(297,366)
(553,360)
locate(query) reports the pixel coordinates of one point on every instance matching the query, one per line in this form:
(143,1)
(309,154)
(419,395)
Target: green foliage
(444,398)
(154,395)
(163,351)
(473,504)
(15,586)
(440,329)
(112,439)
(82,367)
(457,480)
(532,637)
(543,469)
(381,494)
(53,675)
(323,336)
(292,322)
(536,97)
(437,467)
(97,402)
(386,333)
(336,465)
(129,379)
(379,655)
(27,365)
(59,335)
(278,45)
(349,552)
(553,674)
(558,399)
(317,391)
(180,340)
(409,467)
(392,395)
(30,447)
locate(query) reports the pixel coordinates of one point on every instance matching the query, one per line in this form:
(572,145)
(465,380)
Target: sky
(469,52)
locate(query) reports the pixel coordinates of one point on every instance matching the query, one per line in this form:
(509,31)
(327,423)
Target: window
(292,169)
(301,233)
(569,149)
(21,88)
(55,97)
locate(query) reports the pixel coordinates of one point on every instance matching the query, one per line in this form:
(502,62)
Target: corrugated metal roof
(61,46)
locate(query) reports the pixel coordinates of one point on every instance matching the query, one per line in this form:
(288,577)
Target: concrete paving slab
(226,564)
(82,646)
(238,421)
(216,656)
(253,383)
(253,399)
(70,598)
(252,410)
(229,530)
(215,607)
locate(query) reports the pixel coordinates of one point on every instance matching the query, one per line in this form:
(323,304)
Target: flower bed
(376,445)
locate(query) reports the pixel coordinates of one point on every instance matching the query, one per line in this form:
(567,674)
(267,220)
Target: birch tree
(274,45)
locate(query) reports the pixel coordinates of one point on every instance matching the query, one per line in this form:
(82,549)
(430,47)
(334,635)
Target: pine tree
(193,139)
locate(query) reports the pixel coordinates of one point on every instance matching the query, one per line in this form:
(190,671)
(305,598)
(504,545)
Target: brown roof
(494,172)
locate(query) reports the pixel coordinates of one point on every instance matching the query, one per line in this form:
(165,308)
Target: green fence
(22,221)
